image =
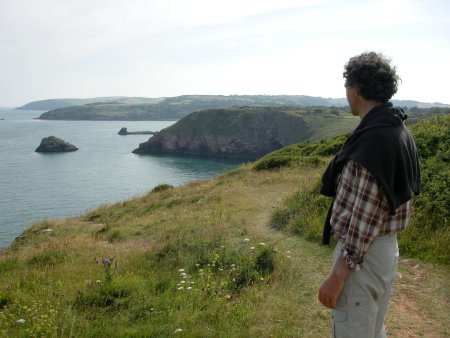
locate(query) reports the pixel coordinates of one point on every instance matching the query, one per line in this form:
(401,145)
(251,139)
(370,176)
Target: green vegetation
(427,237)
(174,108)
(61,103)
(201,260)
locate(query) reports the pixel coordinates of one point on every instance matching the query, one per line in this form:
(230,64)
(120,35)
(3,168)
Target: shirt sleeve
(366,206)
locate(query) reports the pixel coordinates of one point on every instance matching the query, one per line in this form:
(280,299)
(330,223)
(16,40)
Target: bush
(427,235)
(161,187)
(114,295)
(303,213)
(275,161)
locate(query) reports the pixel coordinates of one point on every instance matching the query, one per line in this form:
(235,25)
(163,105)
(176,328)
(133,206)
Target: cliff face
(232,133)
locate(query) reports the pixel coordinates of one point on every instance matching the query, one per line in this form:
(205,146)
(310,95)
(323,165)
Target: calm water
(35,186)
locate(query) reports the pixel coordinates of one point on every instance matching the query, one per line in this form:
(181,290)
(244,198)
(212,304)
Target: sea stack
(54,144)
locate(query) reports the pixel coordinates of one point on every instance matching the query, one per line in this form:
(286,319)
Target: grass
(199,260)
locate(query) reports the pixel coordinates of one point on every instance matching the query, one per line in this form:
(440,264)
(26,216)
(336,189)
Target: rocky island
(54,144)
(124,131)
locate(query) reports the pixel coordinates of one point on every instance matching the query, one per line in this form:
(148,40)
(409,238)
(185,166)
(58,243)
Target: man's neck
(365,106)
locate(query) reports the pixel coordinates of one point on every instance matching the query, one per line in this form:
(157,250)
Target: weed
(161,187)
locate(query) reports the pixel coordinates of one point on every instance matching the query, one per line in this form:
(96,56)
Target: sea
(38,186)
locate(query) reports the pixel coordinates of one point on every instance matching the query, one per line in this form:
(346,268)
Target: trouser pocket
(339,329)
(355,319)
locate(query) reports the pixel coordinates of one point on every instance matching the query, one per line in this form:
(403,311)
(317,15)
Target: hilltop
(246,132)
(50,104)
(234,256)
(174,108)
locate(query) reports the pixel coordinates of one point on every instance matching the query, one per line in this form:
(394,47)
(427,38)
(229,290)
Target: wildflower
(107,260)
(178,331)
(181,288)
(98,281)
(246,240)
(181,270)
(261,279)
(262,244)
(183,281)
(21,321)
(189,288)
(197,265)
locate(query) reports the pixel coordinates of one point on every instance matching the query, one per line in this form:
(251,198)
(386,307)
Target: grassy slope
(49,279)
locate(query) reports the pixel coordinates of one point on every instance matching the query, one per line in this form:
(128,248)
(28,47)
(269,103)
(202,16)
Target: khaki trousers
(362,305)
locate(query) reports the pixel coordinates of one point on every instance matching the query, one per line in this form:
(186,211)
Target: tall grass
(428,234)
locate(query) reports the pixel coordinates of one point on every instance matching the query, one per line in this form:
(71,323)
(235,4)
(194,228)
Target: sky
(160,48)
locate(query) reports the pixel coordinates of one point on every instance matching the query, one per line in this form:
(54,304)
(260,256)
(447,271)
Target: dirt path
(420,303)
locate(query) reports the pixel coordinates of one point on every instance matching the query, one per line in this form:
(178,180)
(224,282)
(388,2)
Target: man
(372,179)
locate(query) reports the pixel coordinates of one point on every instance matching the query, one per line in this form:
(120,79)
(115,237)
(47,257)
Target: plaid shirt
(360,213)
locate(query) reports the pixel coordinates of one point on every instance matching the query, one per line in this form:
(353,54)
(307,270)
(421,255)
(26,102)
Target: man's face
(352,97)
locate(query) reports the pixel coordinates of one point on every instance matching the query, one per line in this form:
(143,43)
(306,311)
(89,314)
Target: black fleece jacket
(383,145)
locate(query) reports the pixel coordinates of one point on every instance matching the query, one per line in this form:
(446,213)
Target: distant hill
(174,108)
(61,103)
(247,132)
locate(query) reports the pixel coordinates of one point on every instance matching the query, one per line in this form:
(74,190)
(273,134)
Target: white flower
(246,240)
(178,331)
(98,281)
(181,270)
(189,288)
(262,244)
(183,274)
(183,281)
(21,321)
(180,288)
(252,248)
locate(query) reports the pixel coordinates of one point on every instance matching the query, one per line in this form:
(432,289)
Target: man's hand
(332,287)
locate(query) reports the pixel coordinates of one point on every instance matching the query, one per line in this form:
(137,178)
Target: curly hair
(372,75)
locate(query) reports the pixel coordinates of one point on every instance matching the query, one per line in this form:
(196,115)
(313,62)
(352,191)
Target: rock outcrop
(54,144)
(124,131)
(246,133)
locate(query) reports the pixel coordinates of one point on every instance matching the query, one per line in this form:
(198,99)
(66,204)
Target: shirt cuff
(353,263)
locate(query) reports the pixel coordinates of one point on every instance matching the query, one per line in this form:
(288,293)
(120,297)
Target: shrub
(161,187)
(114,295)
(275,161)
(303,213)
